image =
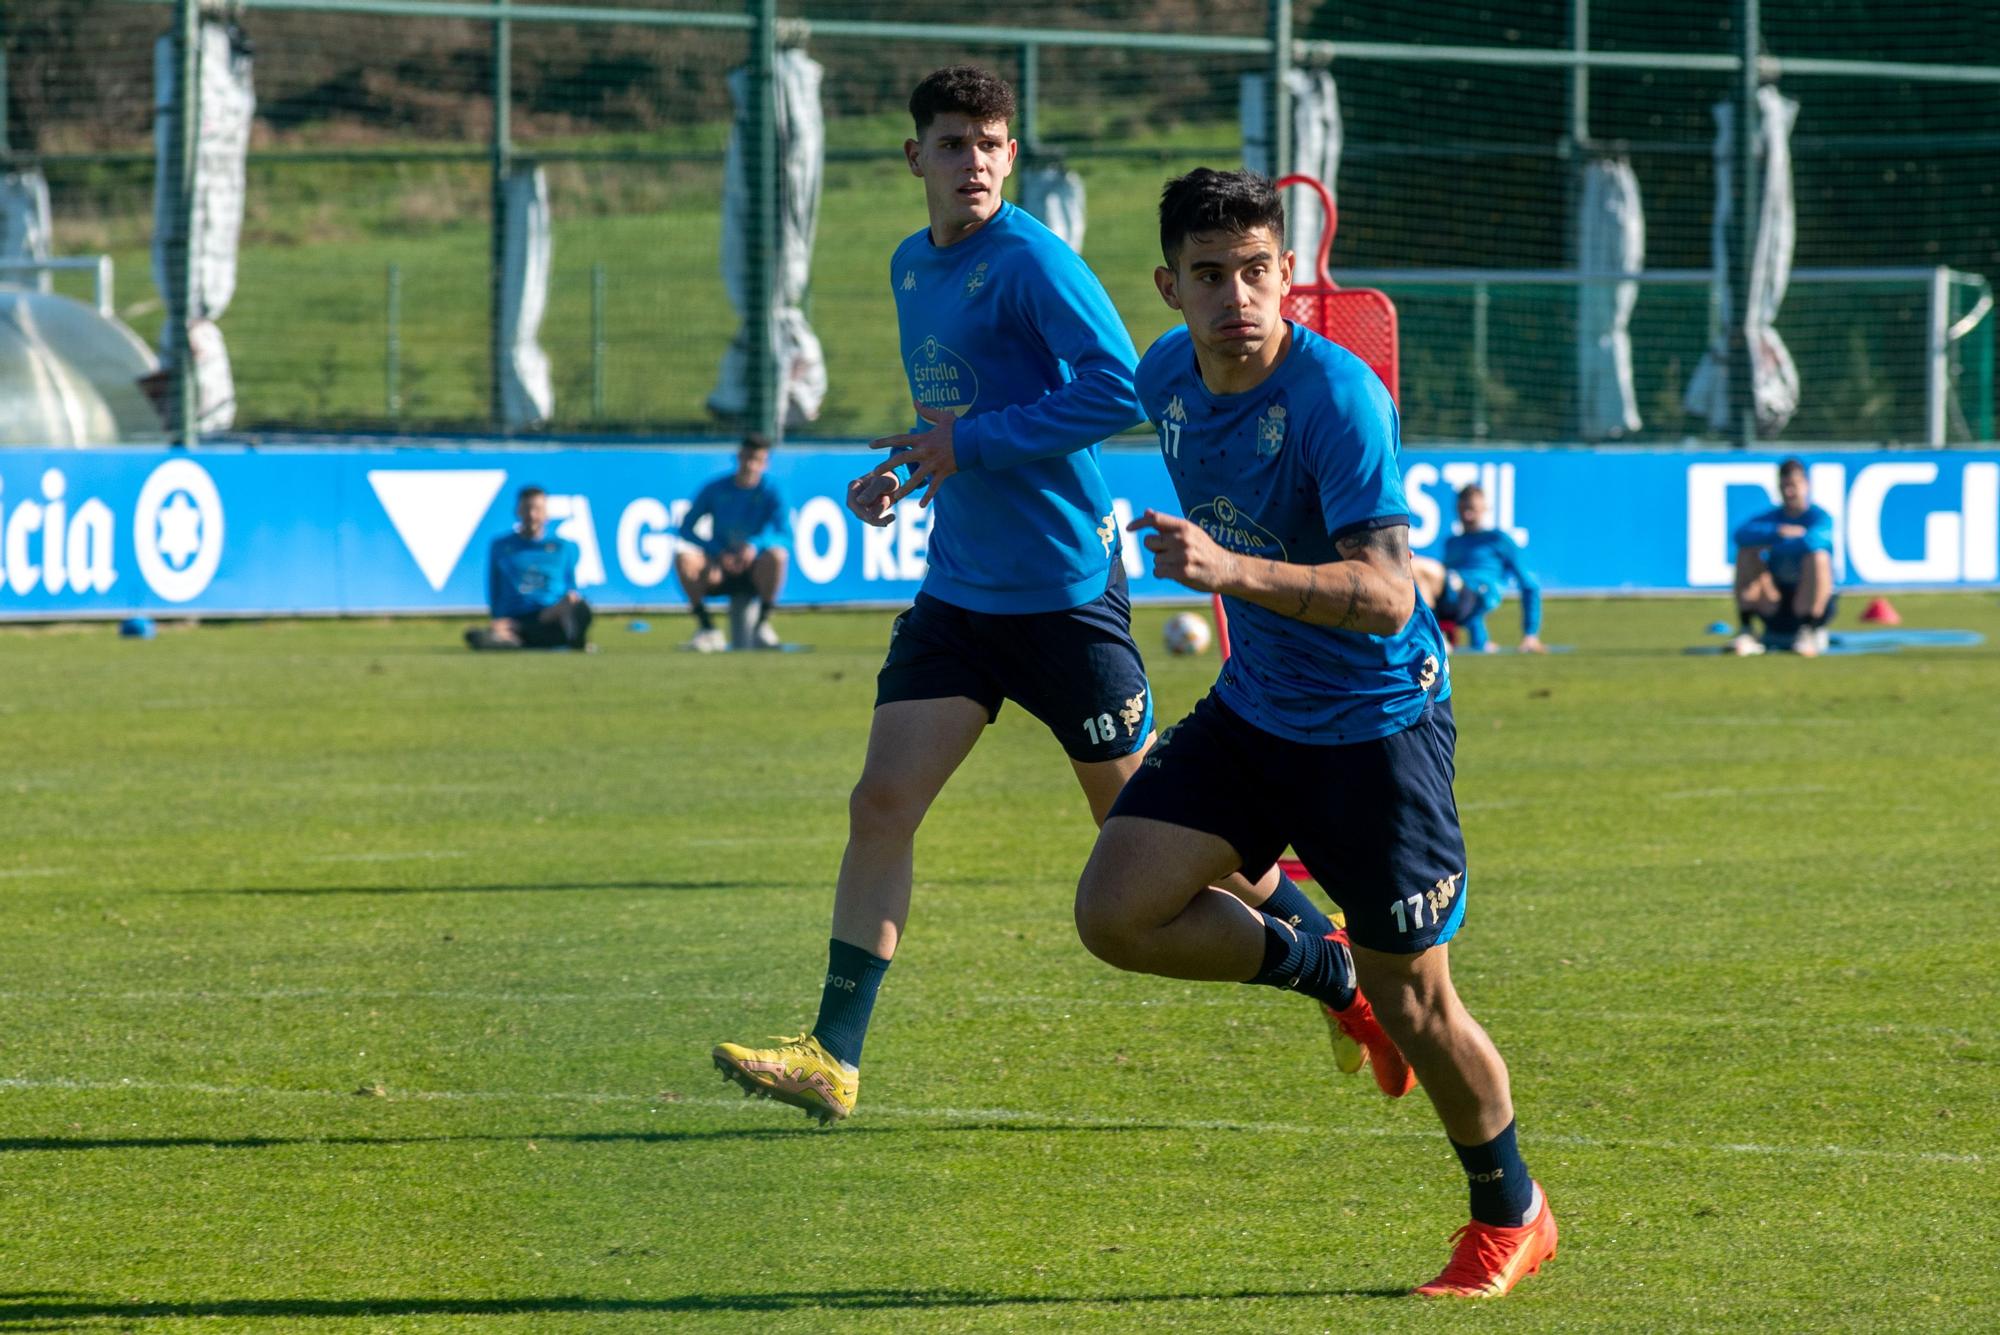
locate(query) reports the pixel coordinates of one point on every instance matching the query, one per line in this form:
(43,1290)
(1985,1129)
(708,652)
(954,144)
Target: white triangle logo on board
(436,512)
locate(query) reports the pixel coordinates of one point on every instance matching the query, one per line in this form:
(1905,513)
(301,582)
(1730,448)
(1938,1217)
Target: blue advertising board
(239,531)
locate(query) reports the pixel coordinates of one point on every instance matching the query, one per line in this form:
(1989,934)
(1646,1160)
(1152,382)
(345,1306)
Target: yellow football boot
(798,1071)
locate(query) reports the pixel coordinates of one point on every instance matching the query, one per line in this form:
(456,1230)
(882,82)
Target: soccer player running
(1470,584)
(1019,365)
(1330,727)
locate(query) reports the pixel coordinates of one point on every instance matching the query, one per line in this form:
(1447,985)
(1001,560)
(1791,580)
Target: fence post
(1481,304)
(597,341)
(1937,379)
(1031,91)
(1743,255)
(502,165)
(760,162)
(392,348)
(180,247)
(1280,105)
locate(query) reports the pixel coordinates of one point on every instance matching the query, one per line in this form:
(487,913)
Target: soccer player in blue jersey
(1330,727)
(1784,570)
(1019,366)
(746,550)
(531,585)
(1470,584)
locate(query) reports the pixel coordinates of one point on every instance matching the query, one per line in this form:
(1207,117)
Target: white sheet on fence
(1775,377)
(1054,194)
(1317,139)
(228,102)
(526,396)
(801,167)
(25,232)
(1611,239)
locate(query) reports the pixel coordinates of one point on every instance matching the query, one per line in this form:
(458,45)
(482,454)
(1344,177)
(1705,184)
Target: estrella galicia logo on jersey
(1271,432)
(941,377)
(1228,525)
(909,280)
(976,279)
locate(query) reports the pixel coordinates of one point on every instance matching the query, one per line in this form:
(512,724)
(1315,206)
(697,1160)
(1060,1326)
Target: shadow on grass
(789,1131)
(558,886)
(16,1308)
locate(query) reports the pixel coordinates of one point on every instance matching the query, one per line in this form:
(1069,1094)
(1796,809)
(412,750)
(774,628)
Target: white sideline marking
(1745,792)
(422,855)
(13,872)
(1010,1115)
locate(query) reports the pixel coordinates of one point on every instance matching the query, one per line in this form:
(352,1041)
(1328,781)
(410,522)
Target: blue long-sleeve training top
(525,575)
(739,516)
(1012,331)
(1485,559)
(1784,556)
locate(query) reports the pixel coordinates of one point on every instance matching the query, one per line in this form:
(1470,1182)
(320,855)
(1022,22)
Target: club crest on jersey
(1107,532)
(976,279)
(1271,432)
(942,378)
(909,280)
(1222,520)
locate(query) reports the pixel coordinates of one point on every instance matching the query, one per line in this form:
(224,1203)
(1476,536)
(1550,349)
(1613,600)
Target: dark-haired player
(1784,570)
(1019,366)
(531,588)
(1330,727)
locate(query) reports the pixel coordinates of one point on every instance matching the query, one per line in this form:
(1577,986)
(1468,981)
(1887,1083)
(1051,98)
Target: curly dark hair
(1206,200)
(965,90)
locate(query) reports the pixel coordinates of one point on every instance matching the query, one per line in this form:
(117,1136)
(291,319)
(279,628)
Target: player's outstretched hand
(869,497)
(929,454)
(1532,644)
(1183,552)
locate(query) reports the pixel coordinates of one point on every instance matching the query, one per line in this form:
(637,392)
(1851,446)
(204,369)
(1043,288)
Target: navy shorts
(1374,822)
(1785,621)
(1076,670)
(1461,604)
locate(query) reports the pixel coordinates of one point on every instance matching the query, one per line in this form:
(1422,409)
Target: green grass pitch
(358,983)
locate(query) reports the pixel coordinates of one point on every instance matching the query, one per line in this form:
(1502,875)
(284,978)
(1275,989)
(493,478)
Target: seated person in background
(1469,584)
(1784,570)
(531,585)
(745,550)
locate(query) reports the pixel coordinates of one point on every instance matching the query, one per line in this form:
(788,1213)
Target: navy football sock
(852,976)
(703,620)
(1308,963)
(1290,903)
(1502,1192)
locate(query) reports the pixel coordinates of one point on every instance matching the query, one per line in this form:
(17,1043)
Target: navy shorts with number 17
(1077,670)
(1374,822)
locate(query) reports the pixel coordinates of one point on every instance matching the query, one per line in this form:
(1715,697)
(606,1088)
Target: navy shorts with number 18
(1077,670)
(1375,822)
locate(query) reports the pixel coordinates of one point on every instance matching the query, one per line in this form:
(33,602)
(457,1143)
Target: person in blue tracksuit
(1784,570)
(1018,365)
(531,591)
(735,539)
(1470,584)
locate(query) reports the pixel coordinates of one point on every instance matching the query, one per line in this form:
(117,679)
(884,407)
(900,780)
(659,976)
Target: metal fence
(387,131)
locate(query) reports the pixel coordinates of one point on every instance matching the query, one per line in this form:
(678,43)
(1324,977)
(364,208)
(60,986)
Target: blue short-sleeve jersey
(1786,556)
(1281,471)
(525,575)
(739,516)
(1010,329)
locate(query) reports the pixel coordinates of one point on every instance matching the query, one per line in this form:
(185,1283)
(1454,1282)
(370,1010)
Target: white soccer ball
(1187,633)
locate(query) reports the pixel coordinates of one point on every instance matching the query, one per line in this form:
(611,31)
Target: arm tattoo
(1378,545)
(1306,594)
(1346,619)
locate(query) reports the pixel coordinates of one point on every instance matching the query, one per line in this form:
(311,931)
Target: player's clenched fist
(872,499)
(1184,553)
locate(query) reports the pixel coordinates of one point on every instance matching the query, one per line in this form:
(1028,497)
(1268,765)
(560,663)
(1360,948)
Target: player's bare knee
(882,808)
(1105,932)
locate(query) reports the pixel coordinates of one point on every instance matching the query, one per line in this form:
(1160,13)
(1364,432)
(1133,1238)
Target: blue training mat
(1873,641)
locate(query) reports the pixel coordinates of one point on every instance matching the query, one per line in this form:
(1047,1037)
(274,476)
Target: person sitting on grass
(744,553)
(531,585)
(1784,571)
(1470,583)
